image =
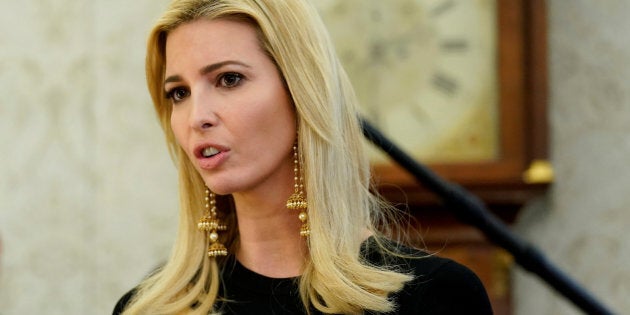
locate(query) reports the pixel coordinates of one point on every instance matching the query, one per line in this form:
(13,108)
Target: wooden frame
(523,120)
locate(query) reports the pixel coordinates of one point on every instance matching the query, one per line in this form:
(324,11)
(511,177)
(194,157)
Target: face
(231,112)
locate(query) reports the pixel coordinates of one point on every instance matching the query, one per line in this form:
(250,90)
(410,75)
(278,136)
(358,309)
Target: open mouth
(209,152)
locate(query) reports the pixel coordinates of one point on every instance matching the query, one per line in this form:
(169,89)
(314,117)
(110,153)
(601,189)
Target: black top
(441,286)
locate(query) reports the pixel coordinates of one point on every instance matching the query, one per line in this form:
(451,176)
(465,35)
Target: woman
(276,212)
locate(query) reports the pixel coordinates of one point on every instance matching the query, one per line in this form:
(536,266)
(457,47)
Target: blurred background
(88,196)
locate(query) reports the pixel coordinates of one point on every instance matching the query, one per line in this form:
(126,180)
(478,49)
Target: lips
(210,156)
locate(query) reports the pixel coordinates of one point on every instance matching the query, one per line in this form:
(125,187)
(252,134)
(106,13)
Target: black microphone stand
(469,209)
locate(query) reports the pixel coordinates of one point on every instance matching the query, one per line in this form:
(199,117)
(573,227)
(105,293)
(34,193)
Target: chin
(220,192)
(219,188)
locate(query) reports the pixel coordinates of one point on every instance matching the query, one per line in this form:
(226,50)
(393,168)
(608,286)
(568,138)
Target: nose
(202,115)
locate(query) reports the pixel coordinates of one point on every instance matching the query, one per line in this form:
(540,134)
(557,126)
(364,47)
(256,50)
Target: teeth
(208,152)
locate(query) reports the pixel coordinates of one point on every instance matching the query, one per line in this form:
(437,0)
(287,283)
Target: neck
(270,243)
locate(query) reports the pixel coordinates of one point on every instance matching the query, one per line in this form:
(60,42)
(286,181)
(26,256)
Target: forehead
(211,39)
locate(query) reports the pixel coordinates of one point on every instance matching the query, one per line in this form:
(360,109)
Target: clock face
(425,72)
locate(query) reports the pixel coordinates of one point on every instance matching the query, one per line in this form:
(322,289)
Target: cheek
(177,126)
(277,121)
(289,118)
(270,129)
(269,110)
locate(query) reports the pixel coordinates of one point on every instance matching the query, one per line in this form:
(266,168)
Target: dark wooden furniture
(519,173)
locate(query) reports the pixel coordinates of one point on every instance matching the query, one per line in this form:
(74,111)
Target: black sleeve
(448,289)
(440,286)
(455,289)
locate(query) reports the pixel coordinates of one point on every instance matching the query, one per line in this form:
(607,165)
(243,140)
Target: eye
(230,79)
(177,94)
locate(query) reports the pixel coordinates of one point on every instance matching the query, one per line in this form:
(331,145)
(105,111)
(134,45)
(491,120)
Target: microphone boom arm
(471,210)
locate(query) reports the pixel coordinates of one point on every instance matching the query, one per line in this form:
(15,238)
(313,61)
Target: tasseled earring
(297,201)
(210,224)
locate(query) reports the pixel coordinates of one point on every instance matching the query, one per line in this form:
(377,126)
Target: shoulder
(443,286)
(440,285)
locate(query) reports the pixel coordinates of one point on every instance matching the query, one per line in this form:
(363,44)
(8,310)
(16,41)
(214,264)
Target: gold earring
(297,200)
(210,224)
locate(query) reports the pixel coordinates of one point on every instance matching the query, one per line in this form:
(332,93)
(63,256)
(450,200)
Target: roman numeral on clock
(444,83)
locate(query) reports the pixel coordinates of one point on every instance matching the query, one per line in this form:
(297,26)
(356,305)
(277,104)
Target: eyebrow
(207,69)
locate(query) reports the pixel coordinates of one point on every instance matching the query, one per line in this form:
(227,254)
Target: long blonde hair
(337,177)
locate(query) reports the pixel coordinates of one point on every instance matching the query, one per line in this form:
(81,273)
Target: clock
(461,86)
(424,72)
(458,84)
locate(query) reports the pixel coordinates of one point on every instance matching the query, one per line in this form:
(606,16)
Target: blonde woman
(276,213)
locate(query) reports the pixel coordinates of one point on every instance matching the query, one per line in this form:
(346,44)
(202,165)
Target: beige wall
(583,224)
(88,195)
(87,191)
